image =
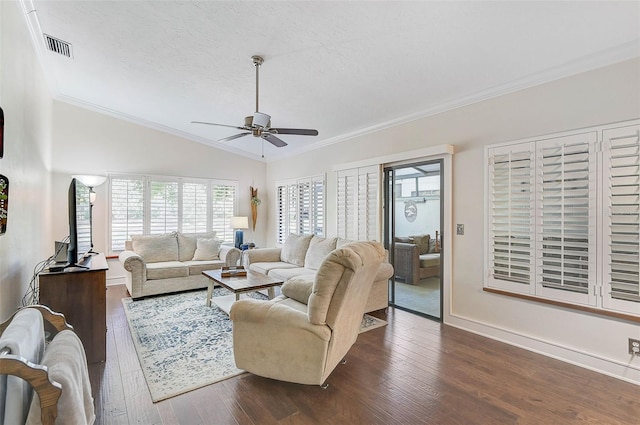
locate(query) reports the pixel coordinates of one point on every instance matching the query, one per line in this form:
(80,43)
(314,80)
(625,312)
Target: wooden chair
(36,375)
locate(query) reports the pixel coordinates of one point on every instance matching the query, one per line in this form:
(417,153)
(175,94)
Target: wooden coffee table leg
(209,292)
(272,293)
(237,296)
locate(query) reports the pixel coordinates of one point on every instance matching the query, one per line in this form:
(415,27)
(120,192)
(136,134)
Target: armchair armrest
(407,262)
(230,255)
(261,255)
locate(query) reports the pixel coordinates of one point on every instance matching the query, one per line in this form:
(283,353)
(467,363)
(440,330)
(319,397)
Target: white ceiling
(343,68)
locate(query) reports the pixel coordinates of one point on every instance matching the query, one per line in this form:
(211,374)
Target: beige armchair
(302,335)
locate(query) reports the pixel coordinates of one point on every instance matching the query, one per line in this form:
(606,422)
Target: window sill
(617,315)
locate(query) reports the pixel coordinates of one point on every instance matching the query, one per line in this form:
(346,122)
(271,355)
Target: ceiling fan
(259,124)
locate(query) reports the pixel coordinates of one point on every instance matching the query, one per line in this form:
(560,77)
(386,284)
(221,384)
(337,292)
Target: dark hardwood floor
(413,371)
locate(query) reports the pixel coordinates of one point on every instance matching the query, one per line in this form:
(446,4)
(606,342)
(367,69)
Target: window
(545,200)
(357,204)
(300,206)
(157,205)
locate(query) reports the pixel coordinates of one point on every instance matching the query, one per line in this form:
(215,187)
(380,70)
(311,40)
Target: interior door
(413,235)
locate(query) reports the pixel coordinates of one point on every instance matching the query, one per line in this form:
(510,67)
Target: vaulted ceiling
(341,67)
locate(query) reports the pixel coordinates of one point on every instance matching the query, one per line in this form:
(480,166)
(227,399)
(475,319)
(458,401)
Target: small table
(252,282)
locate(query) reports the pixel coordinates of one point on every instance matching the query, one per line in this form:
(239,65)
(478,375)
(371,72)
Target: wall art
(4,203)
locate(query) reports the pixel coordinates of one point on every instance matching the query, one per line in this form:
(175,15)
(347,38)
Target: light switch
(459,229)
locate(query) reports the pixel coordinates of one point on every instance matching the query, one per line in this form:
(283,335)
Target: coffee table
(252,282)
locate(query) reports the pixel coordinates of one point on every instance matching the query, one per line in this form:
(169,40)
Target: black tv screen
(79,221)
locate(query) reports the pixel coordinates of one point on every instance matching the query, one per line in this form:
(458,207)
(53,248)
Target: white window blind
(621,149)
(300,207)
(127,210)
(563,217)
(223,201)
(358,203)
(511,179)
(163,208)
(566,227)
(194,207)
(156,205)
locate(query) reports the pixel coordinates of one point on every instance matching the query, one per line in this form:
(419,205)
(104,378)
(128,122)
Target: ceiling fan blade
(235,136)
(273,140)
(220,125)
(298,131)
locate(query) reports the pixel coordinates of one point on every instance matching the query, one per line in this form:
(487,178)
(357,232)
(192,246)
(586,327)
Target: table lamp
(239,223)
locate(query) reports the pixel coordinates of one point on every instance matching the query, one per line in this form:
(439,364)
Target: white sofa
(300,258)
(159,264)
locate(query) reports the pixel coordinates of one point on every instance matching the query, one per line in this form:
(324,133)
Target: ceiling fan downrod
(257,61)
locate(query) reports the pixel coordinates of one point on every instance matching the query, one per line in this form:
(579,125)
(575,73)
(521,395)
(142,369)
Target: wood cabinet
(80,294)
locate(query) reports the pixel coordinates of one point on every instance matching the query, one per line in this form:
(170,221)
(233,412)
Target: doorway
(413,235)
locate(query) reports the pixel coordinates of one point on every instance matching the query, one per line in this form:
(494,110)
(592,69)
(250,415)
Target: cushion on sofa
(422,242)
(340,242)
(156,248)
(429,260)
(166,270)
(267,266)
(295,248)
(197,267)
(298,289)
(297,272)
(187,243)
(319,248)
(207,249)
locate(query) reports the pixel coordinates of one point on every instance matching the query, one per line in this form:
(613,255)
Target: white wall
(606,95)
(26,102)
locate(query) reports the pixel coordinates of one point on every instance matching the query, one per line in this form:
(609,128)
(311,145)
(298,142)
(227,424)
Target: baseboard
(116,280)
(609,367)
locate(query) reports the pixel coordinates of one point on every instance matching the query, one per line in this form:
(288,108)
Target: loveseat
(300,258)
(172,262)
(416,257)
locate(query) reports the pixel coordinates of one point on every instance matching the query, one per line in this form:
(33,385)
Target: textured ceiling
(343,68)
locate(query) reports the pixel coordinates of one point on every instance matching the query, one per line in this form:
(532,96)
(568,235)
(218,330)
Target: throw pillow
(295,249)
(207,249)
(298,289)
(187,243)
(422,241)
(156,248)
(319,248)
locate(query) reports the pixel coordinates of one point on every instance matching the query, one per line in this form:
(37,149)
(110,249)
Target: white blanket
(25,338)
(67,363)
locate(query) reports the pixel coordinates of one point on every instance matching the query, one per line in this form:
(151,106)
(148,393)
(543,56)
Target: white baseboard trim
(614,368)
(117,280)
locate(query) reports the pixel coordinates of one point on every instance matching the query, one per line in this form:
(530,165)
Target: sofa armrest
(407,262)
(230,255)
(261,255)
(137,267)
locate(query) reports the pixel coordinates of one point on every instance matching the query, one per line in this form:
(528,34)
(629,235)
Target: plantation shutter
(317,205)
(163,209)
(358,211)
(565,169)
(281,206)
(223,202)
(621,151)
(194,207)
(347,204)
(368,203)
(304,208)
(127,210)
(511,226)
(292,209)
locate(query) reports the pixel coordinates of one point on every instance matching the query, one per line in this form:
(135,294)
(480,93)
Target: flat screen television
(79,222)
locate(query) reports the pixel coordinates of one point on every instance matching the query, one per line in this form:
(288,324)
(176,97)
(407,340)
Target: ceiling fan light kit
(259,124)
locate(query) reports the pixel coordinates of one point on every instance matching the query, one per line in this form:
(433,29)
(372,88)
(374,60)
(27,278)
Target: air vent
(57,45)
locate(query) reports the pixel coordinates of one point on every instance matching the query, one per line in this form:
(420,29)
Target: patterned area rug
(183,345)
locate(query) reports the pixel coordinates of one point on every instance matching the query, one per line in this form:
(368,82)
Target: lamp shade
(239,222)
(89,180)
